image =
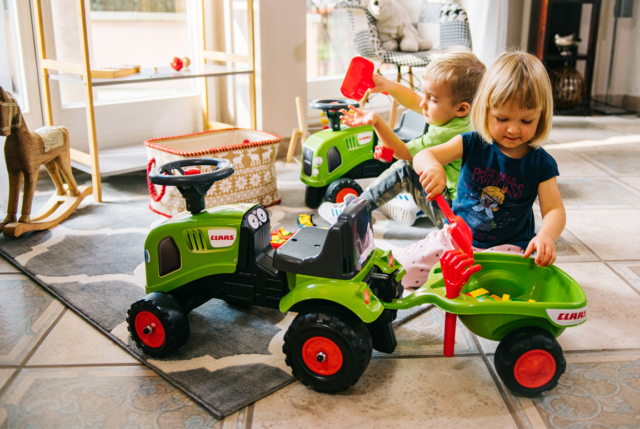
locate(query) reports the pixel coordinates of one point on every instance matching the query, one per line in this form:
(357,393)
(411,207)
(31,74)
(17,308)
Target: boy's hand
(357,118)
(546,250)
(380,84)
(433,180)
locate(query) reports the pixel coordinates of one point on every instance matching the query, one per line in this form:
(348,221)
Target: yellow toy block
(496,298)
(506,297)
(476,293)
(532,300)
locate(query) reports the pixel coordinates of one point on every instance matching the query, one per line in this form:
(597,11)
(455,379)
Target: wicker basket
(253,154)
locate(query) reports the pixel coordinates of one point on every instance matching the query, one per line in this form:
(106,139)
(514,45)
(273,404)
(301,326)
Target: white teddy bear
(394,25)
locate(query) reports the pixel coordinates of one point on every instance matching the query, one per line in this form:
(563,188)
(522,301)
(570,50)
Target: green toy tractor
(332,159)
(335,279)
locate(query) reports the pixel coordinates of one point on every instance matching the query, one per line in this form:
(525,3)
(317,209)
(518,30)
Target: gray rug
(94,263)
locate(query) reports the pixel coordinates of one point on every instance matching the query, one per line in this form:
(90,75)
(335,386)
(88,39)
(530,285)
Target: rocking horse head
(10,115)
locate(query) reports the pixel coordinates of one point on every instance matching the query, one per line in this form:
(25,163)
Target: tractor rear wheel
(327,349)
(158,324)
(530,361)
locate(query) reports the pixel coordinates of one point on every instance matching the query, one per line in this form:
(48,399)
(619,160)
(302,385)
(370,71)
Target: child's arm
(430,162)
(357,118)
(554,219)
(403,94)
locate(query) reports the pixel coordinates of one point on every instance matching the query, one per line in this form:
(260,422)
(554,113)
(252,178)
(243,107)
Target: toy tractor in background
(333,158)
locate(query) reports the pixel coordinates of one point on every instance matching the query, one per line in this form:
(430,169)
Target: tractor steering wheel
(193,187)
(332,107)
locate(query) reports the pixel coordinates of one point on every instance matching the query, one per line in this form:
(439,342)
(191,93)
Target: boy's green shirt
(441,134)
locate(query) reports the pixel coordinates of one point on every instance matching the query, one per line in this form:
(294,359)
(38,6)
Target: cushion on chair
(450,17)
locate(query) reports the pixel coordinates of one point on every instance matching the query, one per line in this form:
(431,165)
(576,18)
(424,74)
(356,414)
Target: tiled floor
(58,371)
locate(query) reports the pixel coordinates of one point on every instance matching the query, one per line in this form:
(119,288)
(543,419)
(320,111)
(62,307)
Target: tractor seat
(412,126)
(300,250)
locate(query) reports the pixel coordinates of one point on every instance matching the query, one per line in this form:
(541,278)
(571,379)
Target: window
(138,32)
(11,64)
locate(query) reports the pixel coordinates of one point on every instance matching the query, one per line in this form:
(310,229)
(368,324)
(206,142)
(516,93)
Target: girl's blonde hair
(520,78)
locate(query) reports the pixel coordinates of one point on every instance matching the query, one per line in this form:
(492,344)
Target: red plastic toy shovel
(456,267)
(460,231)
(358,79)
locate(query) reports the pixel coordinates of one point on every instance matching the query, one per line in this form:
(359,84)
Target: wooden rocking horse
(24,153)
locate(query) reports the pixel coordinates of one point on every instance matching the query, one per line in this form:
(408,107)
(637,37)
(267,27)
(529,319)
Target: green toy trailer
(346,292)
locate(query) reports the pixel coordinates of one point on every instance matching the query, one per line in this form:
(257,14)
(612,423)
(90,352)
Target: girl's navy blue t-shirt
(496,193)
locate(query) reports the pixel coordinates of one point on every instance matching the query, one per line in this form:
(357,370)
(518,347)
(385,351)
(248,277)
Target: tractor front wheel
(313,196)
(530,361)
(327,349)
(158,324)
(341,188)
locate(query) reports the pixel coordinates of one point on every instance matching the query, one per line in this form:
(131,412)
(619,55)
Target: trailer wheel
(327,349)
(341,188)
(158,324)
(530,361)
(313,196)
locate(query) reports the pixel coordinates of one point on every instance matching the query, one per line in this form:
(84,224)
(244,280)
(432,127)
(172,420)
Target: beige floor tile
(633,181)
(26,313)
(400,393)
(612,310)
(630,270)
(571,165)
(598,392)
(106,397)
(6,267)
(587,193)
(618,156)
(74,341)
(5,374)
(561,134)
(613,234)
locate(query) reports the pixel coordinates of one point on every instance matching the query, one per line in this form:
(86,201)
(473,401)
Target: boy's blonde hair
(462,71)
(518,77)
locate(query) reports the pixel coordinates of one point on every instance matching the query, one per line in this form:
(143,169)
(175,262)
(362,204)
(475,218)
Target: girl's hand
(433,180)
(546,248)
(357,118)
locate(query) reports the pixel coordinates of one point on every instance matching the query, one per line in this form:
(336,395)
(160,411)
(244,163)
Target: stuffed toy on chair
(395,28)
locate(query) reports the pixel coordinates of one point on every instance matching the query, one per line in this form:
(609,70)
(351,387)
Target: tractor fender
(348,294)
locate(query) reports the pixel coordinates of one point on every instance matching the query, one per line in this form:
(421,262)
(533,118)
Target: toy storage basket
(252,153)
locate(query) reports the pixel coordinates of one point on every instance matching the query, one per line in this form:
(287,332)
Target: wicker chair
(452,27)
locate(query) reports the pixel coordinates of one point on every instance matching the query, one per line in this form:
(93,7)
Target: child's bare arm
(430,163)
(357,118)
(403,94)
(554,219)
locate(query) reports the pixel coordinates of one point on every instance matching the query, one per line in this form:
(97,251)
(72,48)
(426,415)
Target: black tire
(313,196)
(515,345)
(345,331)
(340,184)
(171,316)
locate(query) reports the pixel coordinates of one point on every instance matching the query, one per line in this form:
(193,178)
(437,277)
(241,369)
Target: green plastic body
(191,235)
(347,293)
(550,287)
(354,144)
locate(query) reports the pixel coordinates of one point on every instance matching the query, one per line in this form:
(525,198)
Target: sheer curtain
(488,20)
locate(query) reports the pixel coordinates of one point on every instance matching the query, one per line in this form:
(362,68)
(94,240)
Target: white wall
(281,63)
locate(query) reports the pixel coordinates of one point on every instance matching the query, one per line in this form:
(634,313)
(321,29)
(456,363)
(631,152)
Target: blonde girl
(504,169)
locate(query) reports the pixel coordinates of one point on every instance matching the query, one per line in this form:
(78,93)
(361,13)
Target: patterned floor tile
(99,397)
(6,267)
(613,234)
(26,312)
(594,193)
(424,335)
(630,270)
(458,392)
(616,156)
(5,374)
(570,134)
(632,180)
(74,341)
(596,391)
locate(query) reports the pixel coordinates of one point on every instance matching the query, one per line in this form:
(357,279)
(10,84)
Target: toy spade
(456,267)
(459,230)
(358,79)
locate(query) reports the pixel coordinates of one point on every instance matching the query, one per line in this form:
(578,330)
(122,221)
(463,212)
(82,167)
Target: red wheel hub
(322,356)
(343,193)
(149,329)
(534,369)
